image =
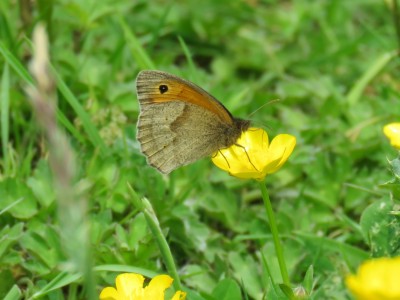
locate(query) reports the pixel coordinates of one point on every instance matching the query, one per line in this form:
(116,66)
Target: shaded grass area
(332,65)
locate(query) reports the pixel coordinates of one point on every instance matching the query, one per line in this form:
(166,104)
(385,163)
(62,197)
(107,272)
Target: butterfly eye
(163,88)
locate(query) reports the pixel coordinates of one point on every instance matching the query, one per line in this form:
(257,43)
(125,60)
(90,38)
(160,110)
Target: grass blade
(87,124)
(14,293)
(377,66)
(4,108)
(68,95)
(138,52)
(189,58)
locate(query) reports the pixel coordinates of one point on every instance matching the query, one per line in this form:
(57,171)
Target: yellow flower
(130,287)
(392,132)
(253,156)
(376,279)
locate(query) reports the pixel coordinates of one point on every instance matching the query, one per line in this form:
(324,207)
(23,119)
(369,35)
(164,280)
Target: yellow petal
(129,285)
(157,286)
(179,295)
(224,158)
(110,293)
(392,132)
(243,159)
(279,151)
(376,279)
(253,157)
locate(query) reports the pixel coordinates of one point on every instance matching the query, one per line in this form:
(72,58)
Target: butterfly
(179,122)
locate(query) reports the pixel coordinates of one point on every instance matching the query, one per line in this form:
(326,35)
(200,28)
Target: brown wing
(174,134)
(148,85)
(179,122)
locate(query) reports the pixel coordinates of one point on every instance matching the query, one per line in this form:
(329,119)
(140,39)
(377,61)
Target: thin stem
(72,207)
(152,221)
(396,20)
(275,234)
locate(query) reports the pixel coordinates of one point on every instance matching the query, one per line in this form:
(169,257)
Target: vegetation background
(332,64)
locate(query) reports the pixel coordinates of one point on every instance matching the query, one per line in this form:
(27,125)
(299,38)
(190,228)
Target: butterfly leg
(248,157)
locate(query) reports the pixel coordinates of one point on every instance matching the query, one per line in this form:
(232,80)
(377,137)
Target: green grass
(332,64)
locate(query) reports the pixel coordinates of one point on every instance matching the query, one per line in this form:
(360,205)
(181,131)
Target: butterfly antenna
(269,102)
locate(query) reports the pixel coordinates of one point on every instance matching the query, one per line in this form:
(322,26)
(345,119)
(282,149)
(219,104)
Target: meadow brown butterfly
(180,122)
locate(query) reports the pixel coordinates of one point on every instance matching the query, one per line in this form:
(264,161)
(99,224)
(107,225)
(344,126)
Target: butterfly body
(180,123)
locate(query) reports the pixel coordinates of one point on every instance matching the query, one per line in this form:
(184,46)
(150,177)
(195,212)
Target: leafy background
(331,64)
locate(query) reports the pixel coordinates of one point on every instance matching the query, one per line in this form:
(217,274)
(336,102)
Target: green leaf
(14,294)
(353,255)
(393,186)
(227,289)
(395,167)
(43,243)
(9,236)
(61,280)
(138,231)
(199,279)
(309,279)
(245,271)
(381,228)
(11,191)
(41,184)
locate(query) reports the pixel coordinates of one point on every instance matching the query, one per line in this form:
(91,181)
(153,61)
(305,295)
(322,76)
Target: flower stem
(144,206)
(275,234)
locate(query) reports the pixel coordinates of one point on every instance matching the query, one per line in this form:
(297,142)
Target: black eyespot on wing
(163,88)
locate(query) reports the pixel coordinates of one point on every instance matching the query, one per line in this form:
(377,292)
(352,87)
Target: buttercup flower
(253,156)
(376,279)
(130,287)
(392,132)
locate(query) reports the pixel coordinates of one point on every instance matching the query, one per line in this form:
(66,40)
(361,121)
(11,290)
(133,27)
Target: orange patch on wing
(177,91)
